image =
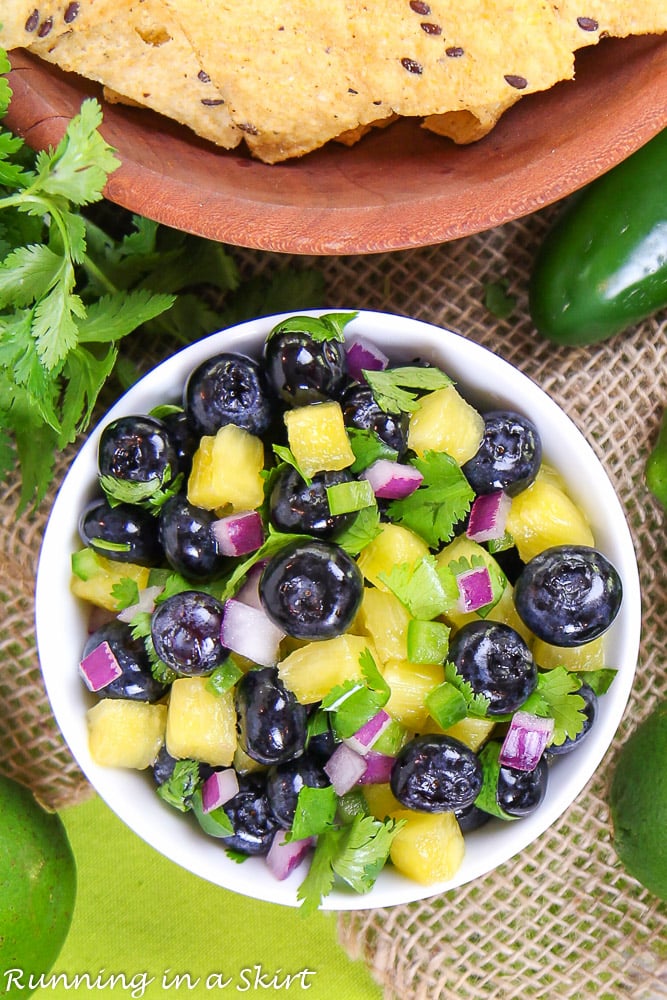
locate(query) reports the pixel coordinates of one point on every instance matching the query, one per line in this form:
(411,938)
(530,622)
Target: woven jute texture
(562,919)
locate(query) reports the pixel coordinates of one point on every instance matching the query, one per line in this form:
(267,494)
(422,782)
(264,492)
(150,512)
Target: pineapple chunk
(385,620)
(380,800)
(227,471)
(123,733)
(94,577)
(393,546)
(318,438)
(410,683)
(429,848)
(313,670)
(446,422)
(590,656)
(544,515)
(504,610)
(472,731)
(200,724)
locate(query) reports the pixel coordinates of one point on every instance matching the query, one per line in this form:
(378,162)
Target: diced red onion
(250,632)
(146,602)
(488,516)
(525,741)
(378,768)
(360,354)
(475,588)
(219,787)
(100,667)
(344,768)
(240,533)
(286,855)
(248,592)
(392,480)
(364,738)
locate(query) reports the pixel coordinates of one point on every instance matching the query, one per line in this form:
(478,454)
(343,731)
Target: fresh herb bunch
(72,287)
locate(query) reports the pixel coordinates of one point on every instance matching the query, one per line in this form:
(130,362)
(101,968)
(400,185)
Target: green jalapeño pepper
(655,471)
(603,266)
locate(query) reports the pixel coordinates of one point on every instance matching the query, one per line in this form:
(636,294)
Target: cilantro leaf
(179,788)
(368,447)
(362,531)
(329,326)
(439,503)
(315,812)
(125,593)
(392,387)
(476,704)
(424,587)
(355,853)
(357,700)
(555,697)
(498,300)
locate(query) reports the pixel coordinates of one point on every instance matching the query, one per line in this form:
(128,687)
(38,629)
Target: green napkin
(144,927)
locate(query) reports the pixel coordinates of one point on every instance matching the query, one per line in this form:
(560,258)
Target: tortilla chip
(464,127)
(22,22)
(585,24)
(142,57)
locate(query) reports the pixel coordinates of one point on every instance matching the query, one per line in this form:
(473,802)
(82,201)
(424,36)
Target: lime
(638,803)
(37,888)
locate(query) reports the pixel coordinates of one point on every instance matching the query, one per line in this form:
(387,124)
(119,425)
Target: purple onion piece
(344,768)
(284,856)
(526,739)
(362,354)
(488,516)
(364,738)
(219,787)
(100,667)
(475,589)
(239,534)
(392,480)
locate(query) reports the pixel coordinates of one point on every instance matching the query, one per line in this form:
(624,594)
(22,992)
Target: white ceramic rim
(130,794)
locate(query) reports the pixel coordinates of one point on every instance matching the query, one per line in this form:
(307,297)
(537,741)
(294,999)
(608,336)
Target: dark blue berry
(301,370)
(520,792)
(312,590)
(251,817)
(228,389)
(436,774)
(494,659)
(122,532)
(300,507)
(360,410)
(137,449)
(136,681)
(185,630)
(188,541)
(285,781)
(271,722)
(508,457)
(568,595)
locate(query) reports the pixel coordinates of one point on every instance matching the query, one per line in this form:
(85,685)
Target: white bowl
(488,382)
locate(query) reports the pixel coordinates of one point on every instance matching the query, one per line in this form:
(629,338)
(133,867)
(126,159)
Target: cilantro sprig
(328,326)
(396,390)
(440,502)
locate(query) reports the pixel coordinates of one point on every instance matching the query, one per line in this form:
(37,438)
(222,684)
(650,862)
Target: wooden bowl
(398,188)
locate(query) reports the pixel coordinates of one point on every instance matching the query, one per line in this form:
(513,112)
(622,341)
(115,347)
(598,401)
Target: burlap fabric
(562,919)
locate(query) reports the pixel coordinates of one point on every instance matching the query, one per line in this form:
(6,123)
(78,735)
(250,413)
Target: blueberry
(360,410)
(183,438)
(251,817)
(302,370)
(188,541)
(568,595)
(284,783)
(185,630)
(123,533)
(136,681)
(312,590)
(520,792)
(436,774)
(509,456)
(471,818)
(228,389)
(271,722)
(590,713)
(494,659)
(299,507)
(137,449)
